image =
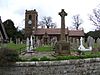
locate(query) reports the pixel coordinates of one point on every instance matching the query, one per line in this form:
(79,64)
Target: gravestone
(90,41)
(98,41)
(98,44)
(62,47)
(27,44)
(11,40)
(82,48)
(45,38)
(38,43)
(18,41)
(75,44)
(53,41)
(31,43)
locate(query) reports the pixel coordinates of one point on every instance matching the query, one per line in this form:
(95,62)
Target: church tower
(31,20)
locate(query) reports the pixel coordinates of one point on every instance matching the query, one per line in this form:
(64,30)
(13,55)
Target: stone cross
(62,14)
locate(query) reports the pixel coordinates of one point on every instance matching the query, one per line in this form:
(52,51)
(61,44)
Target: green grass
(22,47)
(15,46)
(18,47)
(69,57)
(46,48)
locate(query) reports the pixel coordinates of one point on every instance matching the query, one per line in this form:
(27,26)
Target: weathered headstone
(17,40)
(53,41)
(98,44)
(27,44)
(98,41)
(90,41)
(31,43)
(38,43)
(62,47)
(11,40)
(21,42)
(75,44)
(45,38)
(42,42)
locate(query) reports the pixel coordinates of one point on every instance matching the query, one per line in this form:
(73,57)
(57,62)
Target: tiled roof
(76,33)
(52,31)
(48,31)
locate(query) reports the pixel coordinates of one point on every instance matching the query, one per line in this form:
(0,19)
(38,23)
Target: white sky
(15,10)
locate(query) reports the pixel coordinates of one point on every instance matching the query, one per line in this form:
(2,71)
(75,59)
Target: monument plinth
(62,47)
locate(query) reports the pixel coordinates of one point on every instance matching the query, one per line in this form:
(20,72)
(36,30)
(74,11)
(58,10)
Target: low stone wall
(65,67)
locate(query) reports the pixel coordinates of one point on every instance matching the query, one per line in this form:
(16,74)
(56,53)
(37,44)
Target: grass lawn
(44,48)
(22,47)
(48,48)
(18,47)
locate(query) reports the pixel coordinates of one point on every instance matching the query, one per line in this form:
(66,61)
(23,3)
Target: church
(31,28)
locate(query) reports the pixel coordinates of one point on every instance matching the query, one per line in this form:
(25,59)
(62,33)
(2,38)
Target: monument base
(62,48)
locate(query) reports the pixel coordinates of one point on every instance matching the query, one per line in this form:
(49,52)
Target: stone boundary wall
(89,66)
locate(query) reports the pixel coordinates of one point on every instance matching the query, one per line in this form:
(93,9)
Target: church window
(30,17)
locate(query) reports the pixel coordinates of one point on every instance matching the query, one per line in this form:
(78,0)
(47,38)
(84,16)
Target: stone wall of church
(66,67)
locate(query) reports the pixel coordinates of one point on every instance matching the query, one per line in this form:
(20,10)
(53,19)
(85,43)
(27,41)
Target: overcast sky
(15,10)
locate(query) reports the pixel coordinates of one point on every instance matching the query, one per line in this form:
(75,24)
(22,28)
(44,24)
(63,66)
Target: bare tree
(47,21)
(77,21)
(41,24)
(53,25)
(95,17)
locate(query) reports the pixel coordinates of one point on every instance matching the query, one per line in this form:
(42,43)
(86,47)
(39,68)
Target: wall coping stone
(56,63)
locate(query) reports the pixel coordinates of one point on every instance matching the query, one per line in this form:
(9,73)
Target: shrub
(22,59)
(8,55)
(45,48)
(90,56)
(61,58)
(67,57)
(18,47)
(34,59)
(44,58)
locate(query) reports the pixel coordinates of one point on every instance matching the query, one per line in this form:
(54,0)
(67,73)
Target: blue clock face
(29,22)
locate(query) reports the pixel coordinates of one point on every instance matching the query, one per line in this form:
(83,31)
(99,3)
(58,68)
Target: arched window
(30,17)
